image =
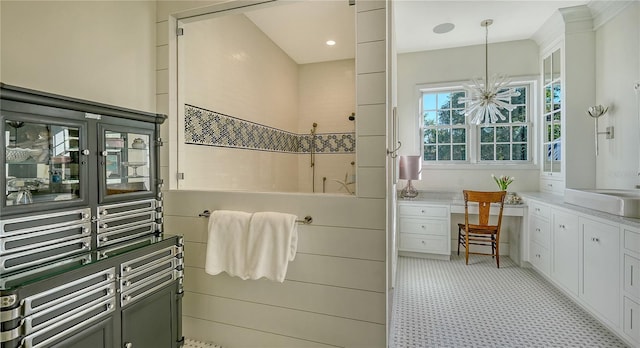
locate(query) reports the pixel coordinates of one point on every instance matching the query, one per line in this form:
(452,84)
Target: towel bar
(307,219)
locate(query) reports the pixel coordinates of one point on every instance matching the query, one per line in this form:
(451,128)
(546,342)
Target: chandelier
(485,99)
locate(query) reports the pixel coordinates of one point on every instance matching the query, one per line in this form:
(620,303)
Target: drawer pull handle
(127,269)
(423,242)
(423,226)
(128,345)
(631,276)
(422,211)
(537,230)
(595,239)
(561,226)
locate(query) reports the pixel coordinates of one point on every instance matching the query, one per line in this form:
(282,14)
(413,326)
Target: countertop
(455,199)
(558,200)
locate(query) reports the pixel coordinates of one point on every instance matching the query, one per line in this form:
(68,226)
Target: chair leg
(459,240)
(493,246)
(466,247)
(497,255)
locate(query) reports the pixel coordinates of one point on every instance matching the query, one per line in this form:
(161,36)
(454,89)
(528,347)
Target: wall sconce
(410,169)
(596,112)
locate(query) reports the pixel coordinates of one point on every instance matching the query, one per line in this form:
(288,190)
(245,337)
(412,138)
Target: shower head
(352,117)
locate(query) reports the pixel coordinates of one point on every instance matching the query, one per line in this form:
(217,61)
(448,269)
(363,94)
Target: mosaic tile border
(205,127)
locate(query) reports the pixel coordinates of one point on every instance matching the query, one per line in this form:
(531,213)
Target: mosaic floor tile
(448,304)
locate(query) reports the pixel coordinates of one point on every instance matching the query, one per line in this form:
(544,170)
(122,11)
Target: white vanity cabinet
(593,258)
(565,251)
(424,228)
(539,236)
(631,281)
(600,268)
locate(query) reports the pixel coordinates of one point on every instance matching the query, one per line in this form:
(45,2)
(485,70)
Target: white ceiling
(301,28)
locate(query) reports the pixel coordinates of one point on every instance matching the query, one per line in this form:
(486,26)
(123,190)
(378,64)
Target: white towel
(226,245)
(251,246)
(271,244)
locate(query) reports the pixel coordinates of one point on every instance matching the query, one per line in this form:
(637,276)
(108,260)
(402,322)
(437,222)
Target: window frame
(473,131)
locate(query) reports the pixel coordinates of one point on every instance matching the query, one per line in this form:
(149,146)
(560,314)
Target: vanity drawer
(632,319)
(632,276)
(540,210)
(424,243)
(424,210)
(631,240)
(539,257)
(424,226)
(540,231)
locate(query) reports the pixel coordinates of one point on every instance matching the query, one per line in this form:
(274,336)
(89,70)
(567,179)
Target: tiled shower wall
(252,107)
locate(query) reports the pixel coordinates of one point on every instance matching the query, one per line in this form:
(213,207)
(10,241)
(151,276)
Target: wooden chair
(481,233)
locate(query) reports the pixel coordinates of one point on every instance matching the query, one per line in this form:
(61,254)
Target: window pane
(429,118)
(519,133)
(556,131)
(519,152)
(429,136)
(455,97)
(444,152)
(556,96)
(459,153)
(457,117)
(486,152)
(458,135)
(547,99)
(522,98)
(502,134)
(519,114)
(444,136)
(486,134)
(428,101)
(444,117)
(502,152)
(429,153)
(443,101)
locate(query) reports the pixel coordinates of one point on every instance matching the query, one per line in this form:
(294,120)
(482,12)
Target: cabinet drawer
(632,240)
(424,210)
(424,226)
(632,319)
(540,210)
(539,231)
(632,276)
(555,186)
(424,243)
(539,257)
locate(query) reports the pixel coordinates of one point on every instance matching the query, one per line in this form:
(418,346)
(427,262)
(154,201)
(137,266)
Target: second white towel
(251,246)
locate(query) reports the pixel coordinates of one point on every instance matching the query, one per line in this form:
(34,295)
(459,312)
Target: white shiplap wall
(335,291)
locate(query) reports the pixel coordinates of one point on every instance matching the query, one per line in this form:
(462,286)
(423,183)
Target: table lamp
(410,169)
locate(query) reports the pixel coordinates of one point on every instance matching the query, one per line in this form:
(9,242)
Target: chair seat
(479,229)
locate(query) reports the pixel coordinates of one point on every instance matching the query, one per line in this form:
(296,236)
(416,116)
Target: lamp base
(409,191)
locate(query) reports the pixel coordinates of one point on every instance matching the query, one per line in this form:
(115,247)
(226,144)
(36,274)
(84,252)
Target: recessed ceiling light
(443,28)
(330,42)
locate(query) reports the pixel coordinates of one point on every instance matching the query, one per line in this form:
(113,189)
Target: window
(448,138)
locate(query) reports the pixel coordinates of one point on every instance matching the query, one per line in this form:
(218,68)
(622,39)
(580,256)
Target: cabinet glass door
(127,166)
(552,114)
(42,161)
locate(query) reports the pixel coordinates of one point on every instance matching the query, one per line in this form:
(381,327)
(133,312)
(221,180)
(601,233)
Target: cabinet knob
(104,212)
(128,345)
(86,152)
(127,269)
(537,230)
(595,239)
(422,211)
(104,225)
(561,226)
(104,153)
(127,283)
(104,239)
(423,227)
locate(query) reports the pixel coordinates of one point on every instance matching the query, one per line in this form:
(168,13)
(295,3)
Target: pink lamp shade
(411,167)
